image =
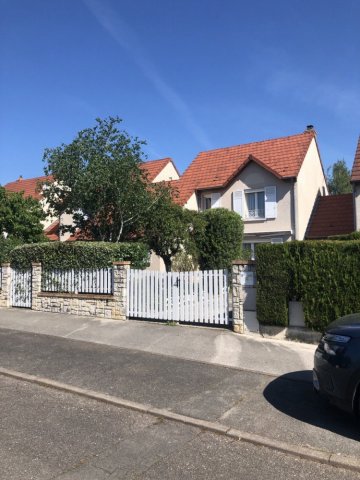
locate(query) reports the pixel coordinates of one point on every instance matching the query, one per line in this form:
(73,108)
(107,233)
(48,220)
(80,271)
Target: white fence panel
(99,281)
(190,297)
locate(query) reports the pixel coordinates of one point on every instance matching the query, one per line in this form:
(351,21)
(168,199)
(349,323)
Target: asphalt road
(46,434)
(282,408)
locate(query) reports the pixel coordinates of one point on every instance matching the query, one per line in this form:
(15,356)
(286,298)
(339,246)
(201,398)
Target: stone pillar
(5,285)
(242,274)
(120,289)
(36,286)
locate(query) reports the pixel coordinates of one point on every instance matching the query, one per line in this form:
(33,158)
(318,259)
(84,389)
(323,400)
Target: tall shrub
(220,241)
(273,285)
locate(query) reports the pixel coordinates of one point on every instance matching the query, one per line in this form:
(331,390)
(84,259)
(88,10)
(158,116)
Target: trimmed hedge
(323,275)
(272,287)
(6,245)
(349,236)
(79,254)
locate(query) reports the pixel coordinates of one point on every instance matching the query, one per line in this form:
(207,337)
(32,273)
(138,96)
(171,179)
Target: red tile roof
(215,168)
(154,167)
(29,186)
(355,174)
(332,215)
(52,231)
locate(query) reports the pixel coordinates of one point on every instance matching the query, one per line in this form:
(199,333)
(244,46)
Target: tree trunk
(167,261)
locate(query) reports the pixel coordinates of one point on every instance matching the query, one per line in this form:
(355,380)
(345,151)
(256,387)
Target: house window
(250,247)
(206,203)
(255,204)
(249,250)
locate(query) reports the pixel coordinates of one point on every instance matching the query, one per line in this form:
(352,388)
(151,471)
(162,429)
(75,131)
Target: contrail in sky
(129,41)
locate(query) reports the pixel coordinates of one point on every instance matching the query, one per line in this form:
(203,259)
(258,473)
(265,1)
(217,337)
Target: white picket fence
(98,281)
(191,297)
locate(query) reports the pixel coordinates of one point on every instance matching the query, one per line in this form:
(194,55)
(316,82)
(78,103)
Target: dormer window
(207,202)
(211,200)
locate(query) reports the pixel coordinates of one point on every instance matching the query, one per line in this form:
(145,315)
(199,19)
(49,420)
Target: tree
(169,230)
(99,180)
(221,240)
(338,178)
(20,218)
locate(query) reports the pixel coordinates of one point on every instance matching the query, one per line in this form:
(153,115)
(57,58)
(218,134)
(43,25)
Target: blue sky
(185,75)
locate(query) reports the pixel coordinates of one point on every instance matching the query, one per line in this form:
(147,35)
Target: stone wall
(97,305)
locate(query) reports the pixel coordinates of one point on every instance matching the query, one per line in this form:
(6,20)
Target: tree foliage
(20,218)
(220,241)
(338,178)
(169,230)
(99,180)
(68,255)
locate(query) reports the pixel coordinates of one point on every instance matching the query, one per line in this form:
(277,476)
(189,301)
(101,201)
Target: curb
(335,460)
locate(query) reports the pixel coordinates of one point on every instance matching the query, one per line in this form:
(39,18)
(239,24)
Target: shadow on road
(293,395)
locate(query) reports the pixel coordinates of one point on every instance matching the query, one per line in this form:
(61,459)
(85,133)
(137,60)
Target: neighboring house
(272,184)
(337,214)
(332,215)
(158,171)
(29,187)
(355,180)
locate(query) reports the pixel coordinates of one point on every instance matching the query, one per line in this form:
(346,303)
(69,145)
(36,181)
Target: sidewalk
(202,344)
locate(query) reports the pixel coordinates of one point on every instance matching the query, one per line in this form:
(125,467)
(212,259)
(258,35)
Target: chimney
(310,128)
(20,178)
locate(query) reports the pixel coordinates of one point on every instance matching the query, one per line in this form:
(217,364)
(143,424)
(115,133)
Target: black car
(336,373)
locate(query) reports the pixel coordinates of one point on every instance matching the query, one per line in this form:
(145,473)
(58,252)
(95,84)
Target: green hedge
(79,254)
(323,275)
(272,286)
(349,236)
(6,245)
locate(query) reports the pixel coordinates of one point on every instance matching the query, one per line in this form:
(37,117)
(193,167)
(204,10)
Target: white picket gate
(21,288)
(191,297)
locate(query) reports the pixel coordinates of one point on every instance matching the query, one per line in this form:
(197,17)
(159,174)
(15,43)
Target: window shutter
(238,202)
(270,202)
(215,200)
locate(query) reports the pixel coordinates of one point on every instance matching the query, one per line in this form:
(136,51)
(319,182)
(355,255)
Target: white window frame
(246,210)
(252,243)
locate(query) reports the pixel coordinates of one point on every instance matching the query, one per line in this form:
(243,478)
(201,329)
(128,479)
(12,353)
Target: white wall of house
(167,173)
(65,219)
(192,203)
(310,183)
(156,263)
(255,178)
(49,218)
(356,194)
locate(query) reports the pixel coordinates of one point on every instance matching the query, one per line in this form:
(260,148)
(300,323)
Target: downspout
(294,209)
(355,213)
